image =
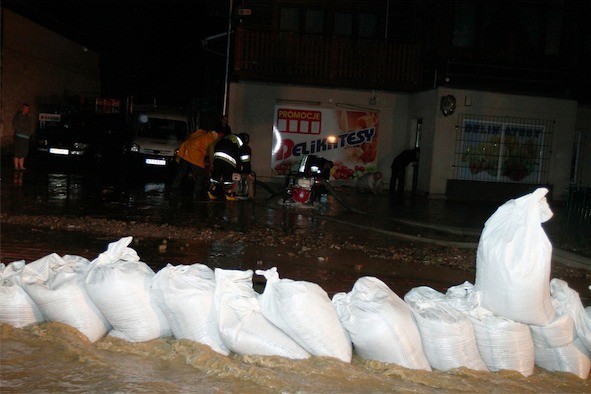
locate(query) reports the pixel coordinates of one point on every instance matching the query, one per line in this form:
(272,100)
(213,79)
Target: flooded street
(53,358)
(79,212)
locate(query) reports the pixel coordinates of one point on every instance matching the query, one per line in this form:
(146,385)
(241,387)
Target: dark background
(149,49)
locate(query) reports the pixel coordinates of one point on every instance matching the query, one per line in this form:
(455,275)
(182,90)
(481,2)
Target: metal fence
(579,208)
(502,149)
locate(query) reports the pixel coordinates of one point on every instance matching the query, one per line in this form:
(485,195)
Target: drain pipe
(415,164)
(226,82)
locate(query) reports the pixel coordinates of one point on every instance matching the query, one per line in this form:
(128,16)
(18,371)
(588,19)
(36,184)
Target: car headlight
(79,145)
(134,148)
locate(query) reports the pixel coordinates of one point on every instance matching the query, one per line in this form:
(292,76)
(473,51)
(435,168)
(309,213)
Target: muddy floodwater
(333,246)
(52,357)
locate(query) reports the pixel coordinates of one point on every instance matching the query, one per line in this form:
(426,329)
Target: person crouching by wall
(399,164)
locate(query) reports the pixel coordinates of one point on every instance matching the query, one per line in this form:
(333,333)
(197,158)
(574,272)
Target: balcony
(274,56)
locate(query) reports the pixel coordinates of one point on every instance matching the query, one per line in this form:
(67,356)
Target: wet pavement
(86,196)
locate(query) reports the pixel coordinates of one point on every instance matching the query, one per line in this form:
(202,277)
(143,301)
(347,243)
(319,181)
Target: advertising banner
(499,151)
(349,138)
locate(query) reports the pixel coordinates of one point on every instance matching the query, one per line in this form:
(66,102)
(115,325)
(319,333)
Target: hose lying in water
(339,199)
(262,184)
(323,182)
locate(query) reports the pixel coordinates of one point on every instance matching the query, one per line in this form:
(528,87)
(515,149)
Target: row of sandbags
(502,343)
(108,295)
(120,295)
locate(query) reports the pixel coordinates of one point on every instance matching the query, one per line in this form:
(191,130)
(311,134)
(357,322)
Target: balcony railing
(326,60)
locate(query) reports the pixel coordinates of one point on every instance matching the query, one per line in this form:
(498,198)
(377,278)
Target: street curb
(571,259)
(558,255)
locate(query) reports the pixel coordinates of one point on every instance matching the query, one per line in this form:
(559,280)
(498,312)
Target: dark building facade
(515,69)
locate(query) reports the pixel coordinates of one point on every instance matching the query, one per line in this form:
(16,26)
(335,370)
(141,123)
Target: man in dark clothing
(399,169)
(223,126)
(23,129)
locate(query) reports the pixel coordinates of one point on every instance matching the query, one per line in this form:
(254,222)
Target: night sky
(148,48)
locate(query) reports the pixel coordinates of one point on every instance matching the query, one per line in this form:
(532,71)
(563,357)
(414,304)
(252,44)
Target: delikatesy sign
(349,138)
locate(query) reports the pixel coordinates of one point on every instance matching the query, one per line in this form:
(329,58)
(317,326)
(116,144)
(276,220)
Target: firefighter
(191,157)
(227,161)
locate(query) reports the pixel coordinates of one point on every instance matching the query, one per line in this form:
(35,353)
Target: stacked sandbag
(572,358)
(304,311)
(242,326)
(502,343)
(567,301)
(16,307)
(513,261)
(446,333)
(561,345)
(185,293)
(559,332)
(119,284)
(56,285)
(380,324)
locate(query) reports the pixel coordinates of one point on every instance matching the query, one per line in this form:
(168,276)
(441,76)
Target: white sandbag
(464,298)
(16,307)
(559,332)
(184,293)
(242,326)
(56,285)
(572,358)
(566,301)
(304,311)
(380,324)
(447,334)
(502,343)
(119,284)
(513,261)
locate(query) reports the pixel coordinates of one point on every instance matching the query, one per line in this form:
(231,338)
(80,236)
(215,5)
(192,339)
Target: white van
(158,136)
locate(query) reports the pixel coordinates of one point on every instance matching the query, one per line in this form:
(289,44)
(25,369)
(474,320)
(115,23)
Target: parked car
(158,136)
(94,138)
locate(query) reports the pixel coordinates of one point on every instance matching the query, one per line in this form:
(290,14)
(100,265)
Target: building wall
(40,67)
(252,104)
(251,110)
(562,112)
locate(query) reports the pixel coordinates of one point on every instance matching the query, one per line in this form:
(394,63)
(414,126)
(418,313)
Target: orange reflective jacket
(195,148)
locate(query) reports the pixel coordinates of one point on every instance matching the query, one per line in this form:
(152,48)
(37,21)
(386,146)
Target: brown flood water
(52,357)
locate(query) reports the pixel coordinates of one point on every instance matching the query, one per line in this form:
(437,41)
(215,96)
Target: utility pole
(226,83)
